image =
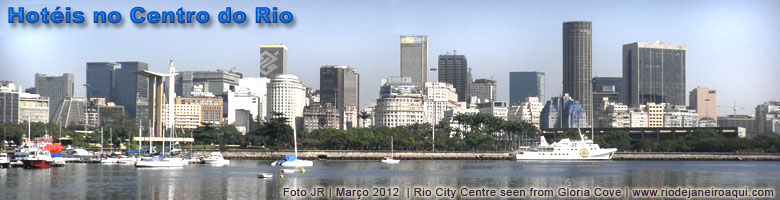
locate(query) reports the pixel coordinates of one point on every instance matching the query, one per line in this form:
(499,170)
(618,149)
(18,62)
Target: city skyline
(740,54)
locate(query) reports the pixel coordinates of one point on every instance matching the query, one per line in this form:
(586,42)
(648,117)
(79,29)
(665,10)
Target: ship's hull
(600,154)
(5,164)
(36,164)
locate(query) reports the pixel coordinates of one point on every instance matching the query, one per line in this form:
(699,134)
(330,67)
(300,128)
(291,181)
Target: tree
(363,115)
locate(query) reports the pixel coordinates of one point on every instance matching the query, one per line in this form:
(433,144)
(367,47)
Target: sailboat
(292,160)
(161,160)
(390,160)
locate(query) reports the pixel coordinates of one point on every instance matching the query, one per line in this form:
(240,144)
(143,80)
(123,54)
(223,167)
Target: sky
(733,47)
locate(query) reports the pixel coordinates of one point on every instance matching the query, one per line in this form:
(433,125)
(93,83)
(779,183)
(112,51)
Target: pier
(376,155)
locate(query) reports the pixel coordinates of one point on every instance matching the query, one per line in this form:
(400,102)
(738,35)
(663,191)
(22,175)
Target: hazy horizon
(731,45)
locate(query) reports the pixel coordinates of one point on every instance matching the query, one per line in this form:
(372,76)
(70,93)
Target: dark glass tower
(100,80)
(453,69)
(525,84)
(653,72)
(577,64)
(131,89)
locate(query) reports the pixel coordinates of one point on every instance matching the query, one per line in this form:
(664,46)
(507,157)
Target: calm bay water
(239,180)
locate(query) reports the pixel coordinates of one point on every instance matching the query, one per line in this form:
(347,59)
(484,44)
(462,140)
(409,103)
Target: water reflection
(239,180)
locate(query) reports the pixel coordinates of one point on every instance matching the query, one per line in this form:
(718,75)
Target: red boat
(38,160)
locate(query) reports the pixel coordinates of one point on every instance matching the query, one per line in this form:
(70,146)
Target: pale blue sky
(732,46)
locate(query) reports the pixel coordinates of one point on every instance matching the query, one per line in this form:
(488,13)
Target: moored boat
(215,158)
(566,149)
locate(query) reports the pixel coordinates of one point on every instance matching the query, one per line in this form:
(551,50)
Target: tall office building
(340,87)
(453,69)
(414,59)
(57,88)
(286,95)
(705,102)
(100,80)
(483,89)
(525,84)
(131,89)
(273,60)
(653,72)
(577,63)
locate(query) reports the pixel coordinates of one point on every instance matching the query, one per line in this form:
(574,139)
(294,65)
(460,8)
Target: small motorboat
(265,175)
(288,171)
(215,158)
(390,160)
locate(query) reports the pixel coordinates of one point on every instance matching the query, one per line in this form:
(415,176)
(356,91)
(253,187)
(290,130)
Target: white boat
(5,162)
(160,161)
(128,160)
(215,158)
(390,160)
(109,160)
(292,160)
(566,149)
(287,171)
(265,175)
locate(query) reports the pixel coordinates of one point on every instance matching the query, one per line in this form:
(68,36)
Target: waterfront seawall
(376,155)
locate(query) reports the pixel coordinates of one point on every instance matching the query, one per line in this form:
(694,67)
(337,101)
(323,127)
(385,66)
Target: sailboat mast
(295,142)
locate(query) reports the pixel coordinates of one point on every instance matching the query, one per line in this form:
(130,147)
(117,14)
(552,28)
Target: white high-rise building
(439,97)
(286,95)
(250,96)
(528,111)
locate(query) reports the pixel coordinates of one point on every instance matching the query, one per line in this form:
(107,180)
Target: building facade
(317,116)
(250,95)
(529,111)
(414,59)
(705,101)
(340,87)
(439,97)
(56,88)
(563,112)
(400,103)
(525,84)
(273,60)
(484,89)
(680,116)
(286,96)
(768,118)
(71,112)
(210,110)
(453,69)
(101,80)
(577,62)
(496,108)
(653,72)
(132,91)
(745,121)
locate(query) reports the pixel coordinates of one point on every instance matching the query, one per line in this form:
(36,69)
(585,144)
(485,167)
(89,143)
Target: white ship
(566,149)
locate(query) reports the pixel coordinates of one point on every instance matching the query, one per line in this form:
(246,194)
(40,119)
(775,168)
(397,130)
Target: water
(239,180)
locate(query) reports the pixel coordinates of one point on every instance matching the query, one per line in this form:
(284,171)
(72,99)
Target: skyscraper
(131,89)
(705,102)
(340,87)
(577,64)
(484,89)
(653,72)
(453,69)
(414,59)
(273,60)
(100,80)
(525,84)
(57,88)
